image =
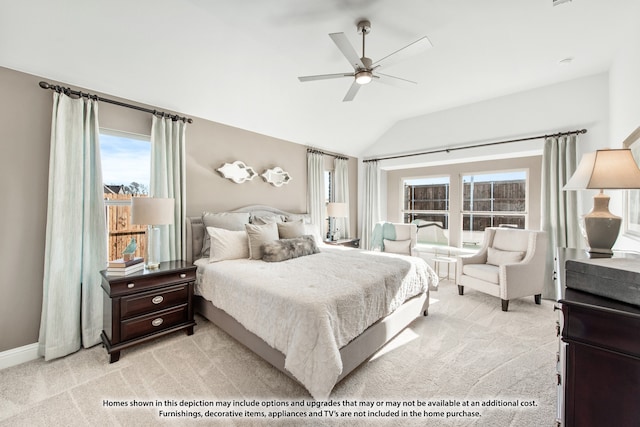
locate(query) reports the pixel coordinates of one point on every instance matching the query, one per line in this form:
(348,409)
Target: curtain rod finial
(44,85)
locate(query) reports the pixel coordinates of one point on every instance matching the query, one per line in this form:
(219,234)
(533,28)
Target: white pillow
(227,244)
(498,257)
(402,247)
(227,220)
(258,235)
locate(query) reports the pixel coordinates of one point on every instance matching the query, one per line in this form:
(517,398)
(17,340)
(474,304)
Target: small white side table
(438,261)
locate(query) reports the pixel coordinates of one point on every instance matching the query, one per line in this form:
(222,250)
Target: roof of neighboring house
(113,189)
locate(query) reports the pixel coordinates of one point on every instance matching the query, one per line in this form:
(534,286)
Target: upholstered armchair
(509,265)
(395,238)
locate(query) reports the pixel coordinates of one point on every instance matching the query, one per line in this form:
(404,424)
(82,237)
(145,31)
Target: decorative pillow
(290,230)
(233,221)
(227,244)
(285,249)
(498,257)
(313,231)
(402,247)
(266,219)
(258,235)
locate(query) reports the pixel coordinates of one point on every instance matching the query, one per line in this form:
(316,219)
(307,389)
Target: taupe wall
(455,171)
(26,112)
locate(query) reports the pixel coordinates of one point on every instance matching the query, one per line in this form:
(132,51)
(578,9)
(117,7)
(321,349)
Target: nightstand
(147,304)
(352,243)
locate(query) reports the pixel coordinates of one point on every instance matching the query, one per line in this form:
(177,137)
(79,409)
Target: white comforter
(309,307)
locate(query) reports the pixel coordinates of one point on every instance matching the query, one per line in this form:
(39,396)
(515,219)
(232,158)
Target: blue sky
(125,160)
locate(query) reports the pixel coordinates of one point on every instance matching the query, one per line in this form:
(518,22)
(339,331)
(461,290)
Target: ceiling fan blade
(347,50)
(409,50)
(353,90)
(393,80)
(324,77)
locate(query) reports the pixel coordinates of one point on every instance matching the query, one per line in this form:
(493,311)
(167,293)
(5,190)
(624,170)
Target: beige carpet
(467,351)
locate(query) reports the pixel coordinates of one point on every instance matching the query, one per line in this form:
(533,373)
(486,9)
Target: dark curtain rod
(337,156)
(68,91)
(487,144)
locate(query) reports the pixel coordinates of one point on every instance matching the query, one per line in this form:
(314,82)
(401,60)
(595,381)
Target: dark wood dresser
(600,362)
(147,304)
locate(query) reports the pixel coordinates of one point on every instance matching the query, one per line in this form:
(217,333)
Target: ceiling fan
(363,67)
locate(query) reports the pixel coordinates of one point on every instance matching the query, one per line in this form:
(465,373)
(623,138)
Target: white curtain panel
(370,202)
(341,192)
(168,138)
(315,190)
(76,234)
(560,218)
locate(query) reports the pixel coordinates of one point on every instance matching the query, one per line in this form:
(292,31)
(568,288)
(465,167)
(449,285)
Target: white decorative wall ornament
(237,172)
(276,176)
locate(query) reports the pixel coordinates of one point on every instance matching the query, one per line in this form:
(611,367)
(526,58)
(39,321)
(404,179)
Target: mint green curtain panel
(341,192)
(315,190)
(370,202)
(168,139)
(76,235)
(560,218)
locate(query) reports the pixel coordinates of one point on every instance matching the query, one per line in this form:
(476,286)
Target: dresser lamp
(336,210)
(152,212)
(604,170)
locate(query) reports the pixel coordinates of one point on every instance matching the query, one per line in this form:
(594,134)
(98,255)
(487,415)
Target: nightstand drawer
(136,283)
(154,322)
(146,302)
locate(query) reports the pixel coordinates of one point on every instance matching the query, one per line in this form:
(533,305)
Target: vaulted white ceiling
(237,62)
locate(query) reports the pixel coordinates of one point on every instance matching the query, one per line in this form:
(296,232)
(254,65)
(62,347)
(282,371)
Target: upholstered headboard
(196,230)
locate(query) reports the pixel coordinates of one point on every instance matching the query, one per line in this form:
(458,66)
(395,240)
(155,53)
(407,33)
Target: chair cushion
(486,272)
(403,231)
(511,240)
(398,246)
(498,257)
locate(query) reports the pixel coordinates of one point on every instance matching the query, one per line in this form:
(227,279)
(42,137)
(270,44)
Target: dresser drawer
(134,305)
(602,328)
(136,283)
(154,322)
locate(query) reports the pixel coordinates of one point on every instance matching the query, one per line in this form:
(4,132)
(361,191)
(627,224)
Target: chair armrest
(521,279)
(462,260)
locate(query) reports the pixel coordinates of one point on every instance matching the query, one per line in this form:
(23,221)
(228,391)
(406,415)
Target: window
(426,203)
(492,200)
(126,170)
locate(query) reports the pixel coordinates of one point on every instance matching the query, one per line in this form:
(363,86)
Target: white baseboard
(18,355)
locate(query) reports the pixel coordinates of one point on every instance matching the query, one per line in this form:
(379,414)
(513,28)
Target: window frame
(114,203)
(493,213)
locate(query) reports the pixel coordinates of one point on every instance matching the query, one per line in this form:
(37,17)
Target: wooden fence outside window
(120,229)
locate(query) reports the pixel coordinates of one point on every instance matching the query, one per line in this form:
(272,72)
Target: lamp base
(152,258)
(601,226)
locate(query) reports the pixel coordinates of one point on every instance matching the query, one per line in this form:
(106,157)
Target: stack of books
(120,267)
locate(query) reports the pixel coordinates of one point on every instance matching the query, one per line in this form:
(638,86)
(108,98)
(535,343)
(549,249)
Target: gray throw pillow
(290,230)
(233,221)
(284,249)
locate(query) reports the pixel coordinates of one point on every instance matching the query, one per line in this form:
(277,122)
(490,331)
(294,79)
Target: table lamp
(152,211)
(604,170)
(336,210)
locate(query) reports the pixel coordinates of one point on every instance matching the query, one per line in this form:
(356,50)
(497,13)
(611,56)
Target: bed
(317,317)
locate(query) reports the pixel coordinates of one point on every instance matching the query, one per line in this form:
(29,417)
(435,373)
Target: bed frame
(353,354)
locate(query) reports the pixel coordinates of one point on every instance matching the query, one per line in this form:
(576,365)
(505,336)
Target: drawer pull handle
(183,275)
(158,299)
(157,322)
(130,285)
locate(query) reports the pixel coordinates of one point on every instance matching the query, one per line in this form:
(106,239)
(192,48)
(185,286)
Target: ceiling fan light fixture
(364,77)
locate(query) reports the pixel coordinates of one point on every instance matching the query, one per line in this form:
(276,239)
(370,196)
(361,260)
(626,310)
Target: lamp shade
(152,211)
(606,169)
(337,210)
